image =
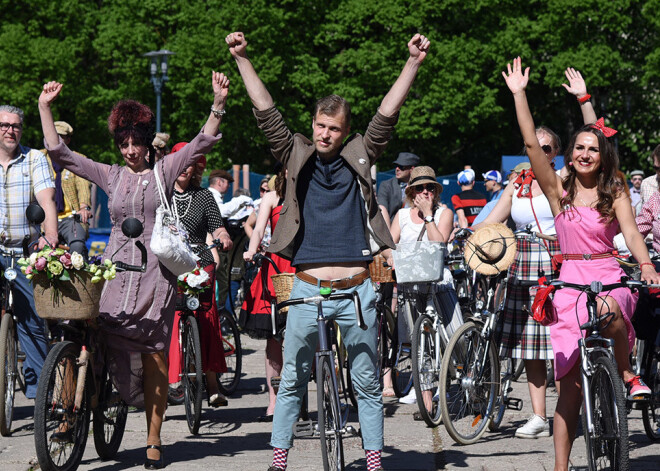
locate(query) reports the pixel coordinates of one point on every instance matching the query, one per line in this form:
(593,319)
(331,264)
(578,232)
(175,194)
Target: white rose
(77,260)
(33,258)
(182,276)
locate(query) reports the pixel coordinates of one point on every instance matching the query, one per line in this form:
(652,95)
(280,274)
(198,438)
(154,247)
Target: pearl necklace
(182,197)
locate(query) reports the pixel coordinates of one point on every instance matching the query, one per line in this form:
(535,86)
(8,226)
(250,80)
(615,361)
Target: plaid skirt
(522,336)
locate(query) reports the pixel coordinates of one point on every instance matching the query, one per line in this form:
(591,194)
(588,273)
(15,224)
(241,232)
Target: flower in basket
(102,269)
(194,282)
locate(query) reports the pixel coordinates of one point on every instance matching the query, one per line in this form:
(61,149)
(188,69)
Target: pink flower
(66,260)
(28,269)
(40,264)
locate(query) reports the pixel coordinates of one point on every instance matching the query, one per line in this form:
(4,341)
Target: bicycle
(9,347)
(332,417)
(604,414)
(67,394)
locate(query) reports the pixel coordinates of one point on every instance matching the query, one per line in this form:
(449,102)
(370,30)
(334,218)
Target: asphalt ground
(230,438)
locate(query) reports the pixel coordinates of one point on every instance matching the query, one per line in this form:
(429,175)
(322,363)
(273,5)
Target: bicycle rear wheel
(8,372)
(607,448)
(193,377)
(426,366)
(329,418)
(651,413)
(109,419)
(60,430)
(231,339)
(469,382)
(402,377)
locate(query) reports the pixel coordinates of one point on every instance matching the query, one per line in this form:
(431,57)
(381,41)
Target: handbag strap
(161,191)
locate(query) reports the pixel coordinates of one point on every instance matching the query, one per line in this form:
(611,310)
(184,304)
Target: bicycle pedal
(514,403)
(352,431)
(305,428)
(20,355)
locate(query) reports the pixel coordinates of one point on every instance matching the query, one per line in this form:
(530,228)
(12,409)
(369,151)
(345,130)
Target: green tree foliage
(459,110)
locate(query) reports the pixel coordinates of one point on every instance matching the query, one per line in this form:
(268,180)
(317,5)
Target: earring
(570,164)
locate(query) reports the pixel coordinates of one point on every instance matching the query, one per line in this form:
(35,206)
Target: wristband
(584,99)
(641,265)
(218,113)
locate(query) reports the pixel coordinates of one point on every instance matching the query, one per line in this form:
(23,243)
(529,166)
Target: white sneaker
(409,398)
(535,427)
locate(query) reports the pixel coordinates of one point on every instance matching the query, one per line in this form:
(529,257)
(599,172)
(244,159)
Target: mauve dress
(136,309)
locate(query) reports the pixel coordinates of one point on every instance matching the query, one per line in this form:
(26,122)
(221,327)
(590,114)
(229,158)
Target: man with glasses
(636,177)
(391,196)
(24,178)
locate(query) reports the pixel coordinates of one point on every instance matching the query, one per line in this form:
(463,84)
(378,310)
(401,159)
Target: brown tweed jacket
(360,152)
(76,189)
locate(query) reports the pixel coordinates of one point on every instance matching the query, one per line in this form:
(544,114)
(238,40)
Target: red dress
(210,333)
(255,313)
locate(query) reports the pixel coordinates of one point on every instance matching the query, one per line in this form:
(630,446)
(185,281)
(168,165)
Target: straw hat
(422,175)
(491,249)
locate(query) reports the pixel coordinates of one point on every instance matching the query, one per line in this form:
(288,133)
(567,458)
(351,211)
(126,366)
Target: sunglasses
(547,148)
(656,168)
(430,187)
(404,167)
(263,190)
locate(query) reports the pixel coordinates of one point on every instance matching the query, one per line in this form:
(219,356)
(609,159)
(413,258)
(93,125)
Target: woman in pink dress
(590,207)
(136,309)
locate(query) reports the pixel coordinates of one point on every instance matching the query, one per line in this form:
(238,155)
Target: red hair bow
(600,125)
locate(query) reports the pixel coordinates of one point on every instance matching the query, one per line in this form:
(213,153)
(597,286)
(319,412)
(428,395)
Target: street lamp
(158,57)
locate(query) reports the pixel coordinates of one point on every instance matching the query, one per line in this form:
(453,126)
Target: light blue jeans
(299,347)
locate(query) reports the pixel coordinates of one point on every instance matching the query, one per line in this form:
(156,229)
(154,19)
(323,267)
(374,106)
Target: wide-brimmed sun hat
(491,249)
(423,175)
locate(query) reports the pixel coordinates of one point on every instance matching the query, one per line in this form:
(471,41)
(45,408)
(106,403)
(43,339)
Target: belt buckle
(587,256)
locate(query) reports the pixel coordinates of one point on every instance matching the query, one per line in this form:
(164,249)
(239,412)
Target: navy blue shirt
(332,229)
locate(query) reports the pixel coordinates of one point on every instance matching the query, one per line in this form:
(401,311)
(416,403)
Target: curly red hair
(132,119)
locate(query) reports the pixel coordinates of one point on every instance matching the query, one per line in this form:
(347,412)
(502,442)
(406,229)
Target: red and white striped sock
(373,459)
(279,458)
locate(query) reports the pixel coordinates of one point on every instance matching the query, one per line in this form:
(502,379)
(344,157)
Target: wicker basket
(77,299)
(283,284)
(379,272)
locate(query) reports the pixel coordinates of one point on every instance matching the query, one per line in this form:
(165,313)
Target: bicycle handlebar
(259,258)
(596,287)
(318,299)
(121,266)
(527,231)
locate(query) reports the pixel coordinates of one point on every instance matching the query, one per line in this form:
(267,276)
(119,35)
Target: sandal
(388,392)
(155,464)
(218,400)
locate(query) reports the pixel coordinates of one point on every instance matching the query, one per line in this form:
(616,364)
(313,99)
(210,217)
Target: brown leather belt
(341,283)
(586,256)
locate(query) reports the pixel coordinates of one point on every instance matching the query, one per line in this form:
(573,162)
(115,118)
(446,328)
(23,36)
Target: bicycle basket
(77,299)
(419,261)
(283,284)
(378,272)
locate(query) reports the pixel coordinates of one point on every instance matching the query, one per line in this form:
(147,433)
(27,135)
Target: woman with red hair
(136,309)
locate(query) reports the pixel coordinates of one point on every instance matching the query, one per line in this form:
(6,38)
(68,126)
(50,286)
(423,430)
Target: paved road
(231,439)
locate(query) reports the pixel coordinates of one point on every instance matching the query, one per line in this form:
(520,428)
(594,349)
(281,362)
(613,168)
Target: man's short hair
(333,105)
(656,153)
(12,110)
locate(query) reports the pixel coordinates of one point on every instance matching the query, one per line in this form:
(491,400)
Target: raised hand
(418,47)
(49,93)
(220,83)
(237,44)
(576,85)
(516,80)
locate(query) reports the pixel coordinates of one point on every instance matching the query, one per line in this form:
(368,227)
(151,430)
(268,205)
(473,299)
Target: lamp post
(158,58)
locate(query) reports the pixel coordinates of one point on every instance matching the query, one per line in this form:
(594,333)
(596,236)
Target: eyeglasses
(547,148)
(4,127)
(263,190)
(404,167)
(430,187)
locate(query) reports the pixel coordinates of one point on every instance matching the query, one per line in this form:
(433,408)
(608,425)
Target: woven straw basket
(283,284)
(77,299)
(378,272)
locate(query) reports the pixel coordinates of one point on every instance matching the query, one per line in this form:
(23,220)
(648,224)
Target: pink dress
(581,231)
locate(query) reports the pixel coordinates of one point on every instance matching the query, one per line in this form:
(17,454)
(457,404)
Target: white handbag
(169,240)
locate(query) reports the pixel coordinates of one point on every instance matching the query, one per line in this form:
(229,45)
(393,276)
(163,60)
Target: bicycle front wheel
(193,376)
(651,413)
(607,447)
(60,430)
(329,418)
(426,366)
(231,340)
(109,419)
(469,383)
(8,372)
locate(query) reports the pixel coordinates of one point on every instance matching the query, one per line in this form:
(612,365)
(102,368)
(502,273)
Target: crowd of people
(320,218)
